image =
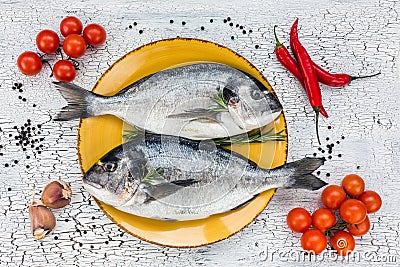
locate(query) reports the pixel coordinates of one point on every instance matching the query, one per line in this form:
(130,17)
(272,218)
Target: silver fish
(173,178)
(198,101)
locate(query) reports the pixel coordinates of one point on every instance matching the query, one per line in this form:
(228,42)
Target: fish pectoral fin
(196,114)
(162,190)
(190,113)
(185,183)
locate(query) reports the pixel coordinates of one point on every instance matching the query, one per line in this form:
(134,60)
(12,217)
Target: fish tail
(78,101)
(303,177)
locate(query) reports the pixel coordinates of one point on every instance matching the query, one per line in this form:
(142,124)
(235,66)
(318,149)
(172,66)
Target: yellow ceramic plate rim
(100,204)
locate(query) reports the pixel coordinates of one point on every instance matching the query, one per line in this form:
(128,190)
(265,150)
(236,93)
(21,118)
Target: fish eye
(256,94)
(109,166)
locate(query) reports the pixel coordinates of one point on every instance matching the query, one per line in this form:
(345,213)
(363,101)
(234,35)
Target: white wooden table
(356,37)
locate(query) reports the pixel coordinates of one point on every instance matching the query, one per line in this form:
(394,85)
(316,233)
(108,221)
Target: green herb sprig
(219,104)
(253,137)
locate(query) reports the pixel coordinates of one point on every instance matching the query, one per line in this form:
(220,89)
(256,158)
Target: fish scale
(193,179)
(181,101)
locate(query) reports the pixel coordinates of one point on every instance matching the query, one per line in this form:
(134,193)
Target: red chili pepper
(336,80)
(325,77)
(286,59)
(290,64)
(308,73)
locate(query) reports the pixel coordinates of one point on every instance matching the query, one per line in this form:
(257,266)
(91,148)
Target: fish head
(111,179)
(249,103)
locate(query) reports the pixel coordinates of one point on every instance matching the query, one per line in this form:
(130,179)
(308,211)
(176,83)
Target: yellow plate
(100,134)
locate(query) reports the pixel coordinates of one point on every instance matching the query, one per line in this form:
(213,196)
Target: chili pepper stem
(278,44)
(317,110)
(362,77)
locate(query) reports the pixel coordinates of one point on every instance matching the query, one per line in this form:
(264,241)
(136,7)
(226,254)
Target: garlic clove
(43,220)
(56,194)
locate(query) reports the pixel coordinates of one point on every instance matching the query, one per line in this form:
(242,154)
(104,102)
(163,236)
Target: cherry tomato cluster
(74,46)
(350,202)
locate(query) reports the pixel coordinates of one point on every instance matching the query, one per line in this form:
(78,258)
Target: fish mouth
(104,195)
(87,182)
(93,189)
(244,117)
(241,113)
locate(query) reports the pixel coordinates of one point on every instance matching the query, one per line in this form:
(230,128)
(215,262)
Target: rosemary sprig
(219,104)
(153,177)
(131,134)
(253,137)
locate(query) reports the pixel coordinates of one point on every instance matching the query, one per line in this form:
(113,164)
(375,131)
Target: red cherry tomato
(64,71)
(353,211)
(333,196)
(353,185)
(29,63)
(372,201)
(70,25)
(361,228)
(314,241)
(47,41)
(298,220)
(343,243)
(323,219)
(94,34)
(74,45)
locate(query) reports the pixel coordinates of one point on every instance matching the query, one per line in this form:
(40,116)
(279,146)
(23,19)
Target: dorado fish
(173,178)
(198,101)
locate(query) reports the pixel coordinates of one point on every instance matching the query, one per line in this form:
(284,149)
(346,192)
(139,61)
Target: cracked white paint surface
(356,37)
